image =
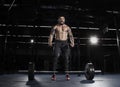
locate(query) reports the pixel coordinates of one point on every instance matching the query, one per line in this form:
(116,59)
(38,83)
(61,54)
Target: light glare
(32,41)
(94,40)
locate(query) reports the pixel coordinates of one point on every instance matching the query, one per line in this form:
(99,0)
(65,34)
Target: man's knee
(56,56)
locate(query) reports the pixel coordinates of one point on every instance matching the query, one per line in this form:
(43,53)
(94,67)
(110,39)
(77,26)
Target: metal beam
(36,26)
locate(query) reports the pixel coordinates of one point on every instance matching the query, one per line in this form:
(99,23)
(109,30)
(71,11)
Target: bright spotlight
(93,40)
(31,41)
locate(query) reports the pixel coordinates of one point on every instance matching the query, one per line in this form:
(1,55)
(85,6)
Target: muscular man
(61,31)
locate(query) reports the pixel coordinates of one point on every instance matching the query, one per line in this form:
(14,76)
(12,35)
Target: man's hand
(71,44)
(50,44)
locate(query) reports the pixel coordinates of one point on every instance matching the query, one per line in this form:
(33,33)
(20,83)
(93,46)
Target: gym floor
(43,80)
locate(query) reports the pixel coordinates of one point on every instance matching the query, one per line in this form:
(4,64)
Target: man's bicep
(71,36)
(70,32)
(52,31)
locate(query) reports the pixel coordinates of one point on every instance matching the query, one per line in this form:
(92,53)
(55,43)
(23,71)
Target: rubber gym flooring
(44,80)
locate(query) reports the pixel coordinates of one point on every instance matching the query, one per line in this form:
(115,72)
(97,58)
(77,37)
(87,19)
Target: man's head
(61,20)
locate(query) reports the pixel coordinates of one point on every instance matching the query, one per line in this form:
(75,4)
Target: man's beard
(61,22)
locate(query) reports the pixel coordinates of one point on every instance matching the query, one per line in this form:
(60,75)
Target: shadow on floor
(87,81)
(33,83)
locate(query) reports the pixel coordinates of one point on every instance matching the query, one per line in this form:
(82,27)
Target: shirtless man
(61,32)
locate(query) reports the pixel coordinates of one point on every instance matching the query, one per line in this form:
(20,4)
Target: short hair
(61,16)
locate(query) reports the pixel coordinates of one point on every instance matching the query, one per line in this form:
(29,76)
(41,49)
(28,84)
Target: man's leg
(56,56)
(66,51)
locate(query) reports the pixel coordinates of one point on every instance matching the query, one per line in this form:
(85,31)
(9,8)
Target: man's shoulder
(55,26)
(67,26)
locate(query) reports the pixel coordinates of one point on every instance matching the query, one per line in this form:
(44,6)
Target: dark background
(33,19)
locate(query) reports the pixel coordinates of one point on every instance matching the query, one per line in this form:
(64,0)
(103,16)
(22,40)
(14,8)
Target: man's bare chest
(61,29)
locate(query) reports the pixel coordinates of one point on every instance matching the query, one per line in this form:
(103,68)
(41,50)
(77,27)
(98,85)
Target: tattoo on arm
(71,36)
(51,35)
(52,31)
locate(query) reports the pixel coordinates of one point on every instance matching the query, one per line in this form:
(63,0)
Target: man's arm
(51,36)
(71,37)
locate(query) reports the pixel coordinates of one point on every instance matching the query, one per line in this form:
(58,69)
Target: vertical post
(117,35)
(78,53)
(31,71)
(32,50)
(5,50)
(117,38)
(89,51)
(31,64)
